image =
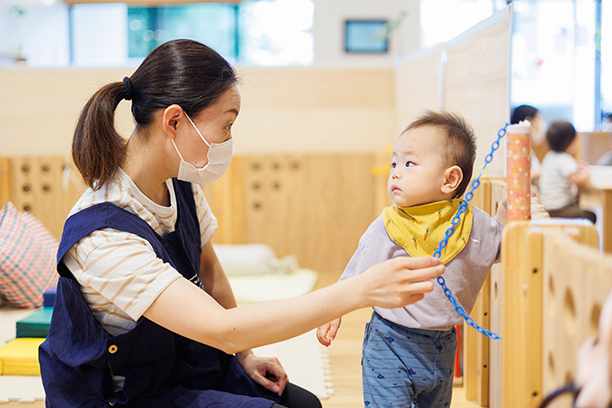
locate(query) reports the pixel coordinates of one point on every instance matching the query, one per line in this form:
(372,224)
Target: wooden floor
(345,355)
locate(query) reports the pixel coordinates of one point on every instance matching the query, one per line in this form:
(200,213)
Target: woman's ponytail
(97,149)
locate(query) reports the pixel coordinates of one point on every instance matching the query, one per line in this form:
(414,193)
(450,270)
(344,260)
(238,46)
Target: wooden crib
(544,299)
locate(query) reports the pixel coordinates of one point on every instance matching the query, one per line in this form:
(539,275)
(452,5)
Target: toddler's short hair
(460,146)
(560,135)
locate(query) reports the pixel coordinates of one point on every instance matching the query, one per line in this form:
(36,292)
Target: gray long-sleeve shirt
(464,274)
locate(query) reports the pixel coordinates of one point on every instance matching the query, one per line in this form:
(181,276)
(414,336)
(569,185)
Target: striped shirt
(119,273)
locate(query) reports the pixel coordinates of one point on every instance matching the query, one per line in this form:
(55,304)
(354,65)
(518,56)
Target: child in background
(409,353)
(562,174)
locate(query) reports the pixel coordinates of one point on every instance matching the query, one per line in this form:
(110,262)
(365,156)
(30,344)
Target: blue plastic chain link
(455,221)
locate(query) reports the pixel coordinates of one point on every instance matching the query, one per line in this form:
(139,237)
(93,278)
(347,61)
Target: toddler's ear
(452,179)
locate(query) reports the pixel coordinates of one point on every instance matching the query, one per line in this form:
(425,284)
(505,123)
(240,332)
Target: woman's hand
(399,281)
(266,371)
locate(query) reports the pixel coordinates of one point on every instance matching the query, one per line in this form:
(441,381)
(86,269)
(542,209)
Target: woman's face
(215,125)
(538,129)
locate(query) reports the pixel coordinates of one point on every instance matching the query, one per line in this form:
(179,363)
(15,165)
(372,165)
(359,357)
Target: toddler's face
(417,168)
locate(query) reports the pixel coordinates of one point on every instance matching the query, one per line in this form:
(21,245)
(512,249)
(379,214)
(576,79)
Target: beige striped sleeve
(121,267)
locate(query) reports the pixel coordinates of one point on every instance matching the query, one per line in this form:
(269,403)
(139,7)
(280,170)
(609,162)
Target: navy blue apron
(161,368)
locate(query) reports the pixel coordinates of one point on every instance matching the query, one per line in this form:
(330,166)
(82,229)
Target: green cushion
(35,325)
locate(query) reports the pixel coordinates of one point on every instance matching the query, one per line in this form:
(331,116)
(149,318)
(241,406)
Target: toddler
(408,353)
(562,174)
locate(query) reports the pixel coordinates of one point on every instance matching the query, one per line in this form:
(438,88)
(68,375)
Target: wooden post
(475,345)
(518,172)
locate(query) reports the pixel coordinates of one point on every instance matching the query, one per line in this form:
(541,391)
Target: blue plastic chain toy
(455,221)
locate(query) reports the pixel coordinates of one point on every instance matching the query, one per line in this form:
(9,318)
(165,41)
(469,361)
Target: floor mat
(273,286)
(21,388)
(303,358)
(17,387)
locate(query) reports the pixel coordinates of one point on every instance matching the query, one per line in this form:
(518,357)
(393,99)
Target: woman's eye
(409,164)
(229,127)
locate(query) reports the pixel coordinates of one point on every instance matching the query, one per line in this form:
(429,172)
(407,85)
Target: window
(553,52)
(210,23)
(553,59)
(442,20)
(277,32)
(606,66)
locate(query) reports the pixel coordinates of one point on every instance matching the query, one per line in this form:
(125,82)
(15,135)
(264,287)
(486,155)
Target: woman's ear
(453,176)
(170,119)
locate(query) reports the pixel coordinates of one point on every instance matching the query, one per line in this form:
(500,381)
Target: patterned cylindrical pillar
(518,168)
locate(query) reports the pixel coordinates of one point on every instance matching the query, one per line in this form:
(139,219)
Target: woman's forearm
(187,310)
(270,322)
(241,328)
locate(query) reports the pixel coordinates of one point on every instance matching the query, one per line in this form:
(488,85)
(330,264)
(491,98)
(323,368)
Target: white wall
(328,30)
(284,109)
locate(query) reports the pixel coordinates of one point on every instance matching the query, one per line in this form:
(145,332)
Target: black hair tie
(127,95)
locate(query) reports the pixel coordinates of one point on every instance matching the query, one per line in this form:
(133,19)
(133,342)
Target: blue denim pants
(404,367)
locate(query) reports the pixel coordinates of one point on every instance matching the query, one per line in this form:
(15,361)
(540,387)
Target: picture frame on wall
(366,37)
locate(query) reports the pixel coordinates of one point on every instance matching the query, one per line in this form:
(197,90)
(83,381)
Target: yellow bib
(419,229)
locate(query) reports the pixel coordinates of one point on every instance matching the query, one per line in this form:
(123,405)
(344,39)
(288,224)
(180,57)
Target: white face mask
(219,159)
(538,135)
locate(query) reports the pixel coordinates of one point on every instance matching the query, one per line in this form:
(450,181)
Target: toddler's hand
(582,164)
(502,210)
(327,333)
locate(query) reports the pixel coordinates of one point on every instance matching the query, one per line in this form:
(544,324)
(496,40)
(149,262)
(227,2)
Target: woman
(538,134)
(144,315)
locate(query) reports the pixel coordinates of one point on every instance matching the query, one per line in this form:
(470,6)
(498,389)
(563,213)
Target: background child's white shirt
(464,274)
(556,190)
(535,162)
(119,273)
